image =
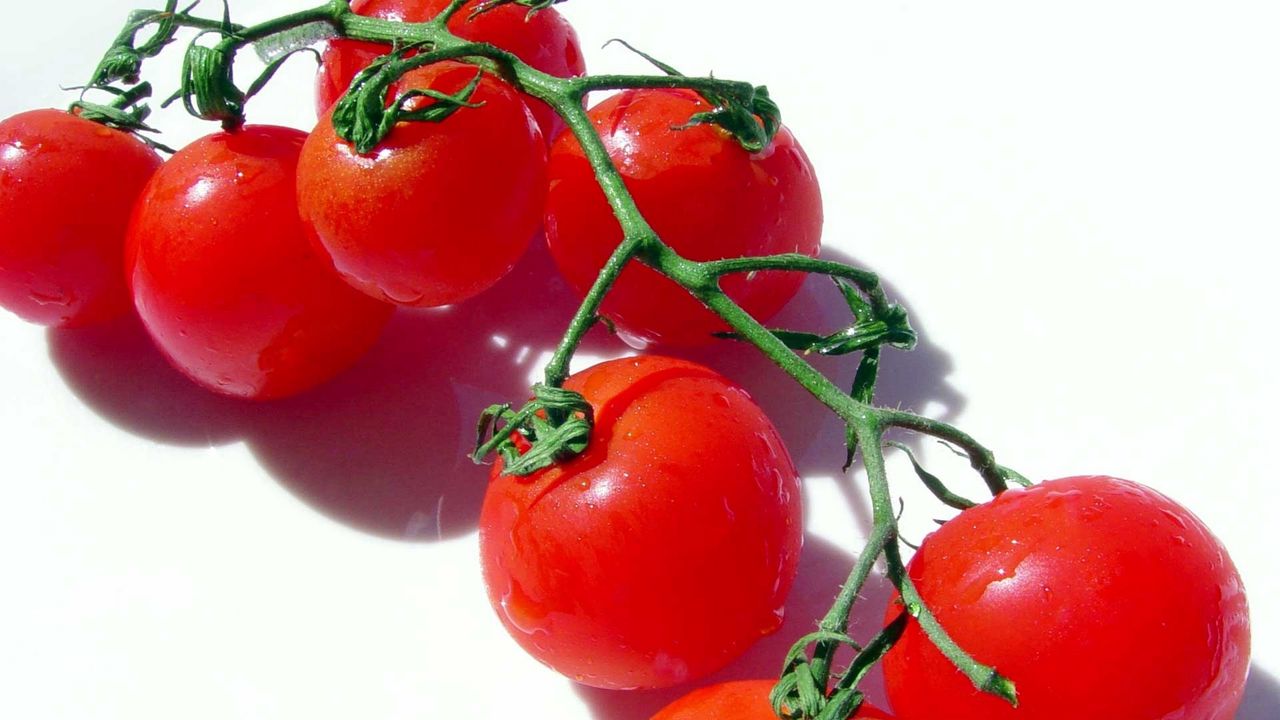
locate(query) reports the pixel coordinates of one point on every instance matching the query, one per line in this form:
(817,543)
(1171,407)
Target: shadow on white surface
(1261,696)
(382,448)
(117,371)
(823,568)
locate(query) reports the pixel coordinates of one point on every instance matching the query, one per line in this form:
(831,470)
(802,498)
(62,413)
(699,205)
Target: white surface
(1076,200)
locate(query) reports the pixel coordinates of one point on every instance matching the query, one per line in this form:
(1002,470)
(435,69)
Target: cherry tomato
(665,549)
(546,41)
(67,186)
(704,195)
(440,211)
(740,700)
(1098,597)
(226,279)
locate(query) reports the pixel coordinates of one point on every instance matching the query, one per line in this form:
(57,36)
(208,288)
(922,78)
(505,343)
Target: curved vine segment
(556,424)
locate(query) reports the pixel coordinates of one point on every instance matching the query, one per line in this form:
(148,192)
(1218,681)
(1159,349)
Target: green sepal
(842,705)
(362,116)
(750,116)
(556,424)
(933,482)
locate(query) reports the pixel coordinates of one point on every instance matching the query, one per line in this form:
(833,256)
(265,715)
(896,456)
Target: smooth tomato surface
(546,41)
(741,700)
(704,195)
(67,187)
(226,279)
(439,211)
(664,550)
(1098,597)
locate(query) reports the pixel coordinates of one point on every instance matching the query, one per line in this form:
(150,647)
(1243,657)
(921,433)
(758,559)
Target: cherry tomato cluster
(264,261)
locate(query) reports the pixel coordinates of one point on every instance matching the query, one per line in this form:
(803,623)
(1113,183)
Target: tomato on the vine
(740,700)
(226,279)
(439,211)
(703,194)
(665,549)
(546,41)
(67,187)
(1098,597)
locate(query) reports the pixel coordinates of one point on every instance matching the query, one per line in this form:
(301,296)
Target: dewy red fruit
(439,211)
(227,281)
(703,194)
(665,549)
(740,700)
(1098,597)
(545,41)
(67,186)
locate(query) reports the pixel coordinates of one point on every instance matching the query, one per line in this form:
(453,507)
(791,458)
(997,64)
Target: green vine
(557,423)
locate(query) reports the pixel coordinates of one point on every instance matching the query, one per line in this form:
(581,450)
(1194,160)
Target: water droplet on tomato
(721,400)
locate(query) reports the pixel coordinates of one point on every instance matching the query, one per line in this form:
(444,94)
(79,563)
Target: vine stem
(865,423)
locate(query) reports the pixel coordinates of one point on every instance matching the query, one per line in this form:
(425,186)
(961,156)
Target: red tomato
(226,280)
(663,551)
(740,700)
(1098,597)
(67,186)
(547,42)
(440,211)
(704,195)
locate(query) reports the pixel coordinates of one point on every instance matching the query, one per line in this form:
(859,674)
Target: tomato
(665,549)
(704,195)
(67,186)
(740,700)
(1098,597)
(226,280)
(440,211)
(546,41)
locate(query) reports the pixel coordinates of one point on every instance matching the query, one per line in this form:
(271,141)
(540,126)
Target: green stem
(980,458)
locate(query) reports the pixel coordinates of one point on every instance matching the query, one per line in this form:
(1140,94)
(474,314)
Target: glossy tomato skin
(225,277)
(1098,597)
(67,187)
(546,41)
(439,211)
(740,700)
(663,551)
(704,195)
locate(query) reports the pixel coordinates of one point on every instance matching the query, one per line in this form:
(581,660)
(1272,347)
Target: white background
(1077,201)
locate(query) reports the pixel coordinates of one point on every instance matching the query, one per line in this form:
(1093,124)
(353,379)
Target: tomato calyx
(553,427)
(744,111)
(364,118)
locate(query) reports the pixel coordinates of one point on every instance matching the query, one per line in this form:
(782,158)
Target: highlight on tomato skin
(1097,597)
(439,211)
(740,700)
(664,550)
(67,188)
(226,280)
(546,41)
(703,194)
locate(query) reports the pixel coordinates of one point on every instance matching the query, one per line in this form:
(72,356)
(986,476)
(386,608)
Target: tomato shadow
(117,371)
(823,569)
(1261,696)
(384,448)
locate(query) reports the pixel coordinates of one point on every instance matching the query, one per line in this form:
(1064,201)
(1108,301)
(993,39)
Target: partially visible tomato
(546,41)
(704,195)
(1098,597)
(227,281)
(67,186)
(665,549)
(439,211)
(740,700)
